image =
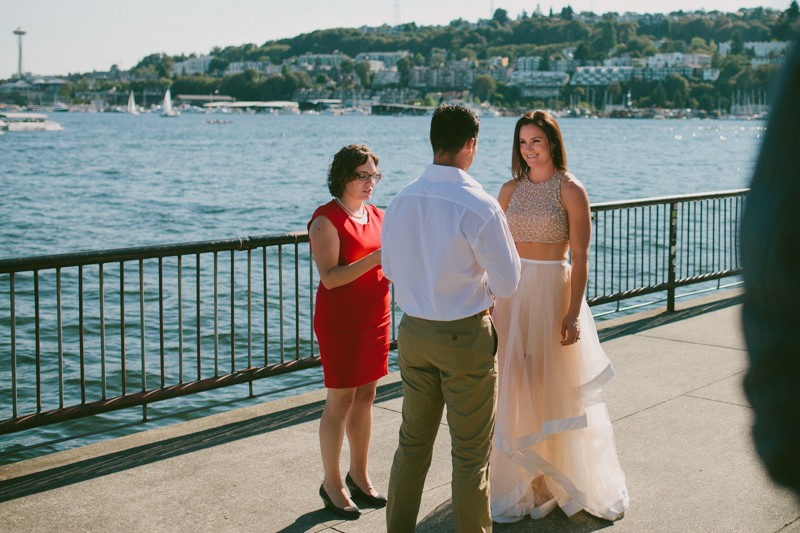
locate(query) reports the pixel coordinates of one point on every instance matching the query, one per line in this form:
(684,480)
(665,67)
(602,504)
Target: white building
(389,59)
(264,67)
(539,84)
(764,53)
(591,76)
(386,77)
(321,61)
(678,59)
(528,63)
(193,65)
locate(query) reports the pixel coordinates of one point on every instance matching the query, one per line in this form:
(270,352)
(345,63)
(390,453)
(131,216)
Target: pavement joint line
(690,342)
(687,394)
(718,401)
(793,522)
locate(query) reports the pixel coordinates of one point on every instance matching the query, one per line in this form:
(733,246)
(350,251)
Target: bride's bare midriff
(543,251)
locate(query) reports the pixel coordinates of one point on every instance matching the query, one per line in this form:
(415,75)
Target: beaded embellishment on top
(535,212)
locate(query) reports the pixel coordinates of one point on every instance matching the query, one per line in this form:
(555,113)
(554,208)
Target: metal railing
(93,332)
(641,247)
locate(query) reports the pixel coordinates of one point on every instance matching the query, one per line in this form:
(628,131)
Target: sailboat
(166,107)
(132,105)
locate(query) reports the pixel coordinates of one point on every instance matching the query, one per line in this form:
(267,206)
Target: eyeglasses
(363,176)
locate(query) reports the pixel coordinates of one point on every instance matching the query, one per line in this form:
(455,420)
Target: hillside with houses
(700,63)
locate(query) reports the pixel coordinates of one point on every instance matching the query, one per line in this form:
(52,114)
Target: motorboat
(28,122)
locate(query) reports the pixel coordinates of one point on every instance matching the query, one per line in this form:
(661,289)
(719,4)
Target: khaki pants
(453,364)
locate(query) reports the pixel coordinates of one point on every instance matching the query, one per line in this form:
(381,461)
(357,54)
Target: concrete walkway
(682,425)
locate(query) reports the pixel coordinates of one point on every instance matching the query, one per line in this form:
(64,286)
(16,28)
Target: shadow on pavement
(441,520)
(638,326)
(141,455)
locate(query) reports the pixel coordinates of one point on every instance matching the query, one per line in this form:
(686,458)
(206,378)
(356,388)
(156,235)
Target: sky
(74,36)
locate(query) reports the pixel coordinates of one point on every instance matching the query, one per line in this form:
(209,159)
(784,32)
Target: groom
(447,249)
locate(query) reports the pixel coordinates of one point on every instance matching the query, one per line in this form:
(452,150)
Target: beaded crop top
(535,212)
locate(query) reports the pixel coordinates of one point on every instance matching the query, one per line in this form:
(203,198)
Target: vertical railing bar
(628,247)
(280,295)
(656,240)
(649,240)
(142,335)
(101,270)
(266,308)
(394,315)
(736,230)
(715,235)
(123,355)
(162,355)
(233,312)
(142,324)
(673,253)
(652,241)
(663,239)
(296,300)
(250,316)
(729,263)
(707,220)
(721,234)
(13,305)
(250,310)
(81,333)
(697,236)
(614,250)
(643,239)
(605,250)
(60,336)
(180,319)
(216,313)
(688,233)
(311,300)
(38,342)
(596,254)
(197,316)
(724,242)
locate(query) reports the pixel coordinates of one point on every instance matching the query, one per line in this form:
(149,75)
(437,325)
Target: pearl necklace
(351,213)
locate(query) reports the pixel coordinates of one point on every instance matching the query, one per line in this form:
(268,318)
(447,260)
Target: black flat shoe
(358,494)
(352,512)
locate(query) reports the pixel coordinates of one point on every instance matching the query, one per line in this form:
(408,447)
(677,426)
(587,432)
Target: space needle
(19,32)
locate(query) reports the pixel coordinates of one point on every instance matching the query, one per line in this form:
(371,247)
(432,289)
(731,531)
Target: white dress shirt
(446,246)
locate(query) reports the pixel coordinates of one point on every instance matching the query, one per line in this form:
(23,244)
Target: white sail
(132,105)
(166,107)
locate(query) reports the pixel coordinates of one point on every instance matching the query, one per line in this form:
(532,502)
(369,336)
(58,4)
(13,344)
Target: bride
(553,444)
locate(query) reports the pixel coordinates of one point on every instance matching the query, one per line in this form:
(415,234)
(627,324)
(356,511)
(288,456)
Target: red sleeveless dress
(352,321)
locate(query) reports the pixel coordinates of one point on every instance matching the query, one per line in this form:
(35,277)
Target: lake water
(115,180)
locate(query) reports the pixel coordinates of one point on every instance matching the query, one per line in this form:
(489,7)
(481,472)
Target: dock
(681,419)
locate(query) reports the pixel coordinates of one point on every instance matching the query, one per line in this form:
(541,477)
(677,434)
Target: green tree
(607,39)
(583,52)
(404,67)
(737,43)
(484,87)
(218,66)
(677,88)
(501,16)
(154,65)
(793,13)
(363,72)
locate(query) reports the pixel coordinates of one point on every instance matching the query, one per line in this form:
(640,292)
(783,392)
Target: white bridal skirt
(552,419)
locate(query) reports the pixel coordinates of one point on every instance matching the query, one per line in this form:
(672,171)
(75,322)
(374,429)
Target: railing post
(673,255)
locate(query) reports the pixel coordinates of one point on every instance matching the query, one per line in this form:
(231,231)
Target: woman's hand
(570,330)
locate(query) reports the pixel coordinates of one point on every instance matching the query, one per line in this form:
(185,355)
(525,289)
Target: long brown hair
(548,124)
